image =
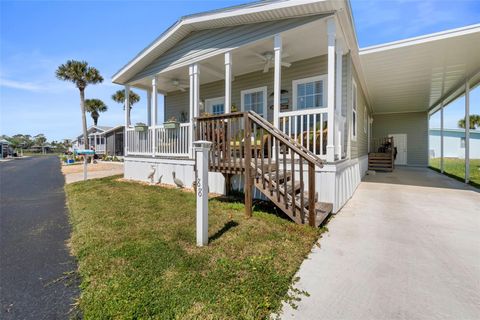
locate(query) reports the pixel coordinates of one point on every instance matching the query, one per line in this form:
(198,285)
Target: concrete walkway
(406,246)
(95,171)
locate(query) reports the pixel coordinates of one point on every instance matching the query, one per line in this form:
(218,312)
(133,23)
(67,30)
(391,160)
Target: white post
(149,108)
(154,114)
(127,119)
(228,82)
(277,79)
(467,132)
(85,167)
(201,155)
(441,138)
(194,101)
(338,96)
(331,90)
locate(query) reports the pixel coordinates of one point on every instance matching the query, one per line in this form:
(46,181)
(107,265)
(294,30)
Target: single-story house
(104,140)
(4,146)
(453,143)
(295,110)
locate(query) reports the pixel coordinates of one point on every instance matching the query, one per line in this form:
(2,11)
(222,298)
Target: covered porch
(297,83)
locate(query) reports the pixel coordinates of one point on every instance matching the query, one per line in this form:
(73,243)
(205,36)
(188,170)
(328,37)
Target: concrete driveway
(406,246)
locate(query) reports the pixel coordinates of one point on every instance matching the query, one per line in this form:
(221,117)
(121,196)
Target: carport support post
(331,35)
(154,111)
(201,149)
(441,138)
(467,132)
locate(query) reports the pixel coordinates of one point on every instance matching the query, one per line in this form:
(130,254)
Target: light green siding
(414,124)
(359,147)
(178,102)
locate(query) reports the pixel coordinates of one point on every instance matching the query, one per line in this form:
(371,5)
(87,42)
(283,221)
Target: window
(462,142)
(309,93)
(254,100)
(215,105)
(354,110)
(365,124)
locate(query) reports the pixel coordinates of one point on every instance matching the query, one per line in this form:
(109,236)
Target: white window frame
(210,101)
(295,83)
(365,119)
(354,110)
(253,90)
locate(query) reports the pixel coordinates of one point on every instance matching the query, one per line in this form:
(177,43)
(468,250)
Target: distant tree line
(36,142)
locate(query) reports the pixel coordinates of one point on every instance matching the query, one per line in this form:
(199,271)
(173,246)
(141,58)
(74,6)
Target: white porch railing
(308,127)
(168,142)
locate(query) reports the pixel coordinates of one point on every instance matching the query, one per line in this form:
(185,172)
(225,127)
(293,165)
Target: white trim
(259,89)
(421,39)
(295,83)
(354,111)
(210,100)
(365,119)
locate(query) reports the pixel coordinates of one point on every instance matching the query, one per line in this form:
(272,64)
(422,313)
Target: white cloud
(29,86)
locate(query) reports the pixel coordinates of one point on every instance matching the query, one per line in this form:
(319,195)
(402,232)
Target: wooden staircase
(384,158)
(276,165)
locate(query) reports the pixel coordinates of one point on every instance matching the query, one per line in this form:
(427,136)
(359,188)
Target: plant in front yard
(137,256)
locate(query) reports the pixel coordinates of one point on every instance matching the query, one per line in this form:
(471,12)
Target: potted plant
(171,123)
(141,127)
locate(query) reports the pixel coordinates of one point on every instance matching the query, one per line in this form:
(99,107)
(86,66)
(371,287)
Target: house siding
(177,102)
(359,147)
(414,124)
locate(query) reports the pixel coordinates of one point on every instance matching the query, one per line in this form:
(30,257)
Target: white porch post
(127,119)
(331,90)
(441,138)
(467,131)
(149,108)
(154,112)
(194,101)
(228,82)
(277,78)
(338,97)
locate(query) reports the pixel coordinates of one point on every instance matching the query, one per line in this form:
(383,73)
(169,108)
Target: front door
(400,142)
(215,105)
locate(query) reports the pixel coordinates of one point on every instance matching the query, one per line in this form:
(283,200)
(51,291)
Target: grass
(455,168)
(135,246)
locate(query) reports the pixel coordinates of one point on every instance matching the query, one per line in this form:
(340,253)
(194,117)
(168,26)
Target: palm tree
(81,75)
(95,106)
(474,122)
(119,97)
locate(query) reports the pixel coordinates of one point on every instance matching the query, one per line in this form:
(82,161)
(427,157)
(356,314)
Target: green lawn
(456,168)
(135,246)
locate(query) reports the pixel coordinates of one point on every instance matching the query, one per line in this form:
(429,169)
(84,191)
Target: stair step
(298,198)
(322,210)
(280,175)
(295,188)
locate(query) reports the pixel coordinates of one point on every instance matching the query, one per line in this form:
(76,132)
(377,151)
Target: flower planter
(171,125)
(141,128)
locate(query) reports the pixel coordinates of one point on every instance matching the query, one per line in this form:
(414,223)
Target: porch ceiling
(413,74)
(303,42)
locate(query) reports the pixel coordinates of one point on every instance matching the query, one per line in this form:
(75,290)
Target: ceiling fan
(267,58)
(179,85)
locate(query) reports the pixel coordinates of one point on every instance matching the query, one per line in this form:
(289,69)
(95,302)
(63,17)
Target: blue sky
(37,36)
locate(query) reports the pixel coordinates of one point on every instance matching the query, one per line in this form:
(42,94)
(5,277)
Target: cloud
(28,86)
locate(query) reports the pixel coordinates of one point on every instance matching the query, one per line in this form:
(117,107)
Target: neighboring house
(104,140)
(4,148)
(298,66)
(453,143)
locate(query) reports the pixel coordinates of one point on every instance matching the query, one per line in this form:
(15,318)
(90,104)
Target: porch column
(228,82)
(277,78)
(338,98)
(441,138)
(467,132)
(154,112)
(127,119)
(149,108)
(194,101)
(331,90)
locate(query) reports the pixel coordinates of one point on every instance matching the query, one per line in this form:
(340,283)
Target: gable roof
(256,12)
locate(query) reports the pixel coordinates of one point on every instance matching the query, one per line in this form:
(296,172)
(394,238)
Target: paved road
(406,246)
(36,270)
